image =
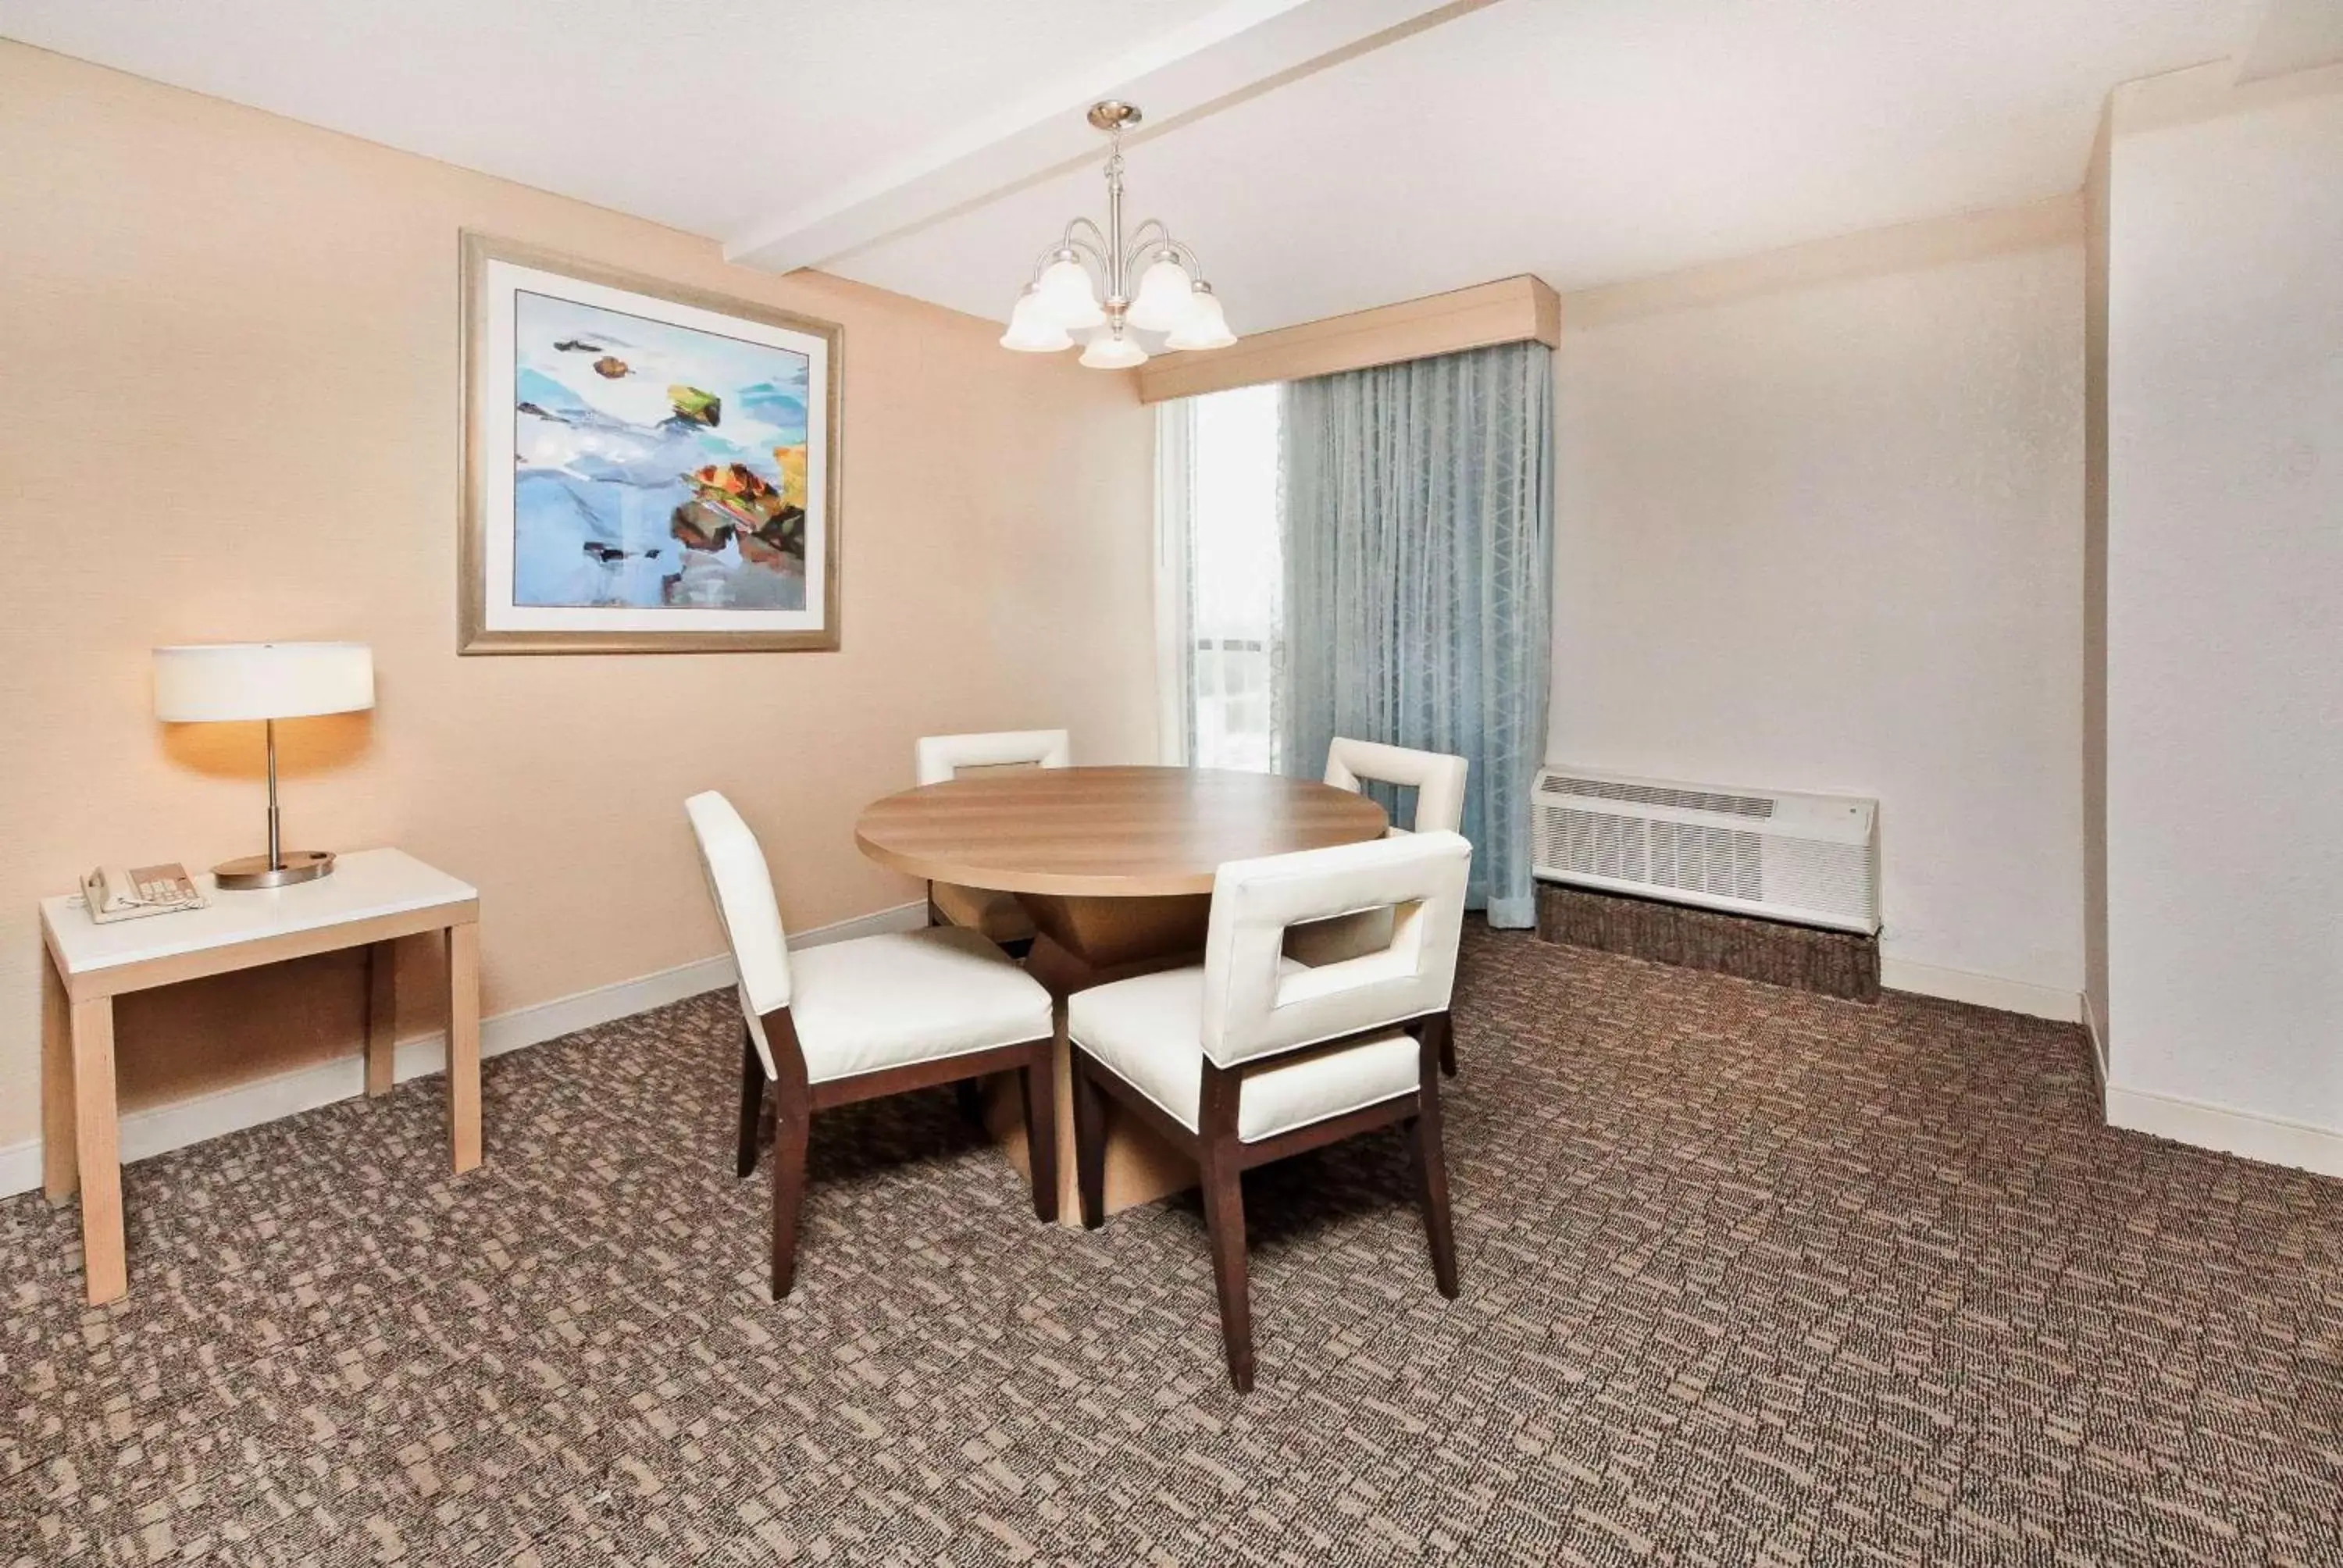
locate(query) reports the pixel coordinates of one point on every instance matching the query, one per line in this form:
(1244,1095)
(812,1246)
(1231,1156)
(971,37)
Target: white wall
(2225,612)
(1820,527)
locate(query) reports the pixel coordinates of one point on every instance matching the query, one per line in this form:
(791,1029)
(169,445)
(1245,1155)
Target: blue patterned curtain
(1419,575)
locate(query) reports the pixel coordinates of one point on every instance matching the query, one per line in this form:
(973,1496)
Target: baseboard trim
(2269,1138)
(159,1128)
(1981,990)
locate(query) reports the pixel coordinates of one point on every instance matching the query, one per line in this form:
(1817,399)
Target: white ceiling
(1587,141)
(703,113)
(1595,141)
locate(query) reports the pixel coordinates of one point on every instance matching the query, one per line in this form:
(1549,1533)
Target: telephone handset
(125,892)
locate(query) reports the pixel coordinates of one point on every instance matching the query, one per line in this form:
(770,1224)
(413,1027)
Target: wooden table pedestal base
(1140,1166)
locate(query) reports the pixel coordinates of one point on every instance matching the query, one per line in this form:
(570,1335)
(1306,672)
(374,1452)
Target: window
(1220,576)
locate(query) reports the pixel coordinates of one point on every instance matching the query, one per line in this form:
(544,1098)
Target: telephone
(125,892)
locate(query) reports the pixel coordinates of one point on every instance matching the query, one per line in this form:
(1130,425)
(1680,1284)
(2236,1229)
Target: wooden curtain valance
(1510,310)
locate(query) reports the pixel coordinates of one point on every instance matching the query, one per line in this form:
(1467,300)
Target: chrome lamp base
(280,867)
(258,871)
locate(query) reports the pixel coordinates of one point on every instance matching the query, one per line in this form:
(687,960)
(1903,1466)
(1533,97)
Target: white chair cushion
(997,914)
(909,996)
(1149,1033)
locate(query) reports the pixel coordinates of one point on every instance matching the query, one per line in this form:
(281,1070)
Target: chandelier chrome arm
(1074,241)
(1141,245)
(1163,244)
(1084,235)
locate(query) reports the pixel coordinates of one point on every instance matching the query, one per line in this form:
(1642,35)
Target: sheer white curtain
(1220,579)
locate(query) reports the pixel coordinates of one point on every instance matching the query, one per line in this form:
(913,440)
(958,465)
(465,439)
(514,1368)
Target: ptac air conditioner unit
(1812,859)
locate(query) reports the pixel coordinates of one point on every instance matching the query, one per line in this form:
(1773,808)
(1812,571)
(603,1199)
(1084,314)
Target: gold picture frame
(562,547)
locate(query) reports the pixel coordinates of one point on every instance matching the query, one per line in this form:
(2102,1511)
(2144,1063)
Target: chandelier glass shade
(1063,295)
(1165,294)
(1205,326)
(1112,285)
(1112,351)
(1032,330)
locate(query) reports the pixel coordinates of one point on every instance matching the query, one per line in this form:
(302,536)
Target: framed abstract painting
(648,469)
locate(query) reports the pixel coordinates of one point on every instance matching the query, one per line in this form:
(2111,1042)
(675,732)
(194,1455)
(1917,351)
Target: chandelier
(1064,296)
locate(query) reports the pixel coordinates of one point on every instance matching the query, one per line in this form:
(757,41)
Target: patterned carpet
(1750,1277)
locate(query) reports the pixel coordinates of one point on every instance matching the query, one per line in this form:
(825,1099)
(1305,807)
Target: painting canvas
(651,468)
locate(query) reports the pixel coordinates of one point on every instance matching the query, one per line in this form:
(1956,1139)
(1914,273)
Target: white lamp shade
(1031,330)
(1205,326)
(1162,302)
(1064,294)
(244,681)
(1109,352)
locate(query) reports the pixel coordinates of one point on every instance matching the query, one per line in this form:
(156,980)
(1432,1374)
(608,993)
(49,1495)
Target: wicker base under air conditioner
(1833,963)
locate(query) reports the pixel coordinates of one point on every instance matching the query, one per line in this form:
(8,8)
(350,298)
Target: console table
(373,898)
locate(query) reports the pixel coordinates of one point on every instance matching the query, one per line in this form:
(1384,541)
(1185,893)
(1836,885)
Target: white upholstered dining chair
(940,758)
(1252,1057)
(1438,779)
(857,1019)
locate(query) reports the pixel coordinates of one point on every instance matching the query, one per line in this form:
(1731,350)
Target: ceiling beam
(1234,52)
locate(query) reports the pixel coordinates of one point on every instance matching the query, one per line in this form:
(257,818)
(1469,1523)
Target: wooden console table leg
(464,1043)
(97,1148)
(382,1017)
(60,1169)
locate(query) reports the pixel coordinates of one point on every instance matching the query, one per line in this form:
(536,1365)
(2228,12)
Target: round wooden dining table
(1114,866)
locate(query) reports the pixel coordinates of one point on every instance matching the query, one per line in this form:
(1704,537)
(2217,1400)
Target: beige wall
(228,410)
(1818,526)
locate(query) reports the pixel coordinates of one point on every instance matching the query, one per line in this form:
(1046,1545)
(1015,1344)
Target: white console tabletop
(366,884)
(371,898)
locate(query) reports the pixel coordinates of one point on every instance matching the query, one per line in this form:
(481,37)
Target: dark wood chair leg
(1447,1046)
(752,1102)
(1431,1178)
(1041,1133)
(790,1127)
(969,1094)
(1090,1143)
(1225,1219)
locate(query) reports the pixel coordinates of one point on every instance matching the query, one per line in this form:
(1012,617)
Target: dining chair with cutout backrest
(1252,1057)
(938,758)
(1438,780)
(857,1019)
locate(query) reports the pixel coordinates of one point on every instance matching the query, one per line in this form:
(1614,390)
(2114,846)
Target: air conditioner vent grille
(1659,795)
(1811,876)
(1595,844)
(1794,857)
(1707,860)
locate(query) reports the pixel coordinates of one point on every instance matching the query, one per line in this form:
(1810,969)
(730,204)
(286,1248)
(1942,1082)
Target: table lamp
(209,682)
